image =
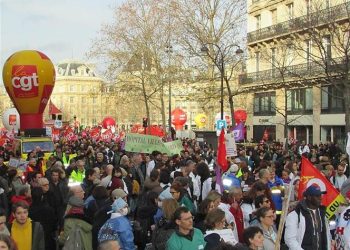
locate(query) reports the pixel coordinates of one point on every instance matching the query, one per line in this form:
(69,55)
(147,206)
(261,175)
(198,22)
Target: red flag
(310,175)
(107,135)
(222,161)
(94,133)
(68,134)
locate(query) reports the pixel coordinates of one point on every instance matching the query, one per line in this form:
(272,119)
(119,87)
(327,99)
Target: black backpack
(100,218)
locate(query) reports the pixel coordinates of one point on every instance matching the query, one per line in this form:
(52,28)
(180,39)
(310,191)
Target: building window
(290,55)
(258,22)
(83,100)
(326,41)
(71,99)
(290,11)
(332,100)
(308,45)
(94,121)
(94,100)
(299,100)
(71,88)
(273,61)
(273,16)
(257,61)
(264,103)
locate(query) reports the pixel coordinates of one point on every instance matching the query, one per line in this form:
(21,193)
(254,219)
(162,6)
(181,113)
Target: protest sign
(174,147)
(231,148)
(226,234)
(149,143)
(144,144)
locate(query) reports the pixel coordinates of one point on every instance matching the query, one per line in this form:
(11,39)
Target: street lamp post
(169,49)
(221,67)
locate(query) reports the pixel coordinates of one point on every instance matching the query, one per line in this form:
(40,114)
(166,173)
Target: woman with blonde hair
(166,226)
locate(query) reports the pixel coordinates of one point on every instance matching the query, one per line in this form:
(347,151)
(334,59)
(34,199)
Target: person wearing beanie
(342,233)
(75,219)
(119,193)
(118,227)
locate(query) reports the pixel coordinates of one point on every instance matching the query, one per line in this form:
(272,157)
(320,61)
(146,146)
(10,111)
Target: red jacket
(238,214)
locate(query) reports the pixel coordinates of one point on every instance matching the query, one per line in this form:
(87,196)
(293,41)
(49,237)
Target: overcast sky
(61,29)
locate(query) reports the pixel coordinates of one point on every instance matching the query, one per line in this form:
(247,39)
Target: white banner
(231,148)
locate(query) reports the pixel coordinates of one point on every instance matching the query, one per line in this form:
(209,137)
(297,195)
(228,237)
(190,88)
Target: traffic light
(145,122)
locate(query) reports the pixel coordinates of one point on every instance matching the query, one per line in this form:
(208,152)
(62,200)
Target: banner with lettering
(148,144)
(174,147)
(310,175)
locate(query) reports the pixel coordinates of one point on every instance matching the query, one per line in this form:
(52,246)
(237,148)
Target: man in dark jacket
(88,182)
(307,227)
(59,189)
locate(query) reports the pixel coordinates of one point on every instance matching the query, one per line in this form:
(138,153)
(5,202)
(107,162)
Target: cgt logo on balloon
(25,81)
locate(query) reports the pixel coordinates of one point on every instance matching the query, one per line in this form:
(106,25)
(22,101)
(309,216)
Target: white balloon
(10,119)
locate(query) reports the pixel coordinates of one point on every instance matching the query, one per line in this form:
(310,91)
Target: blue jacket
(122,227)
(277,189)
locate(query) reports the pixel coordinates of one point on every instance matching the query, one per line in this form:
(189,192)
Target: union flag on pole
(310,175)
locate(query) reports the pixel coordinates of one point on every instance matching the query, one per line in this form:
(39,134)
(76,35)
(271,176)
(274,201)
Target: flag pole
(285,207)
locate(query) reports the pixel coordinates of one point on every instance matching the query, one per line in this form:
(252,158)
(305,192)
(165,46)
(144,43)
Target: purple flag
(219,186)
(238,132)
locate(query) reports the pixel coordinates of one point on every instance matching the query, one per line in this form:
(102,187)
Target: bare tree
(133,47)
(217,25)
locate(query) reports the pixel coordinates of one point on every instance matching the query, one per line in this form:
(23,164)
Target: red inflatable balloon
(108,122)
(178,118)
(240,115)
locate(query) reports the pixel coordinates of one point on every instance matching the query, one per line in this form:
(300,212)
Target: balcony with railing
(318,18)
(296,72)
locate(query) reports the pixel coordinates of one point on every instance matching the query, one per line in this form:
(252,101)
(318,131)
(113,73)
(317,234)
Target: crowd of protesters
(93,195)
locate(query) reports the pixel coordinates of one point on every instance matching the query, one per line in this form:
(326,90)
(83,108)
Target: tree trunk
(145,98)
(162,106)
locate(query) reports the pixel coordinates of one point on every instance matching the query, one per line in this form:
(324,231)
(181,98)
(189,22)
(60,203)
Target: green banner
(149,143)
(174,147)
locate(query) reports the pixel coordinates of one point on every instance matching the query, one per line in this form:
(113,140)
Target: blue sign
(221,124)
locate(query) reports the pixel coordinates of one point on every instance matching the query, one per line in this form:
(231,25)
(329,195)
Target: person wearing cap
(306,226)
(118,227)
